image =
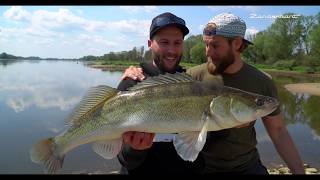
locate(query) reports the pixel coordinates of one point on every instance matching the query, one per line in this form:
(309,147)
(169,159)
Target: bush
(301,69)
(284,64)
(310,70)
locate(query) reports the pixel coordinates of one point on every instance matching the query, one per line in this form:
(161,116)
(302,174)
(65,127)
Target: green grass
(264,67)
(122,63)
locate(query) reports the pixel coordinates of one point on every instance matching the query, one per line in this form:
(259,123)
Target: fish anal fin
(108,149)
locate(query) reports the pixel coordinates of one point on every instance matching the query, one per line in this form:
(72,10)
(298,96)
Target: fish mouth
(275,104)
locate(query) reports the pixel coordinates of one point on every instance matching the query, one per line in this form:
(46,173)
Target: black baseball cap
(167,19)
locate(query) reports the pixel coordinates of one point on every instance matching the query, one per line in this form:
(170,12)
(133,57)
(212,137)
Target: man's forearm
(287,150)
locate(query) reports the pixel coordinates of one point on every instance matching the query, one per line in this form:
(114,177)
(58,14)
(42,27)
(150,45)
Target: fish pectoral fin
(189,144)
(108,149)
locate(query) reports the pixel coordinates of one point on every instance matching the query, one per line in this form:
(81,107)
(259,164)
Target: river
(36,96)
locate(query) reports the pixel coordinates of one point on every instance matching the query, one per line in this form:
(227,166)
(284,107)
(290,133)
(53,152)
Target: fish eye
(259,102)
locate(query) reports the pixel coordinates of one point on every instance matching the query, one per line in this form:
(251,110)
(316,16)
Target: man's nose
(171,49)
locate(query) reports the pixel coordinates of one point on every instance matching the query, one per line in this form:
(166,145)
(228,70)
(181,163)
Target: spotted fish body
(170,103)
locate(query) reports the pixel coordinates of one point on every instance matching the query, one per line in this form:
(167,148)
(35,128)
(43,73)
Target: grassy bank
(122,65)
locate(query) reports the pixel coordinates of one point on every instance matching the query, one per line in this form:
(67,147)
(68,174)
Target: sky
(77,31)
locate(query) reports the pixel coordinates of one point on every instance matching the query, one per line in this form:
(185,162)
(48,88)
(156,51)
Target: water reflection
(6,62)
(302,120)
(35,97)
(44,87)
(299,107)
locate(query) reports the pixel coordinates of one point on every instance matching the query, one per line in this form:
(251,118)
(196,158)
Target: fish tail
(44,152)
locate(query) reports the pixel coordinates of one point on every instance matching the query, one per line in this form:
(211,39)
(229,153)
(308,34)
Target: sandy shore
(285,170)
(309,88)
(280,170)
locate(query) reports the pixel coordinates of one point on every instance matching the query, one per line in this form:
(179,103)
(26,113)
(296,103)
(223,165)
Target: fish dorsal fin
(189,144)
(166,78)
(108,149)
(90,104)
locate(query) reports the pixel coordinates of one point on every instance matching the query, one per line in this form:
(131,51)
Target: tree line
(289,43)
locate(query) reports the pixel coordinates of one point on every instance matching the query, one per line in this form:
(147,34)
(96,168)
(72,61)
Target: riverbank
(280,170)
(112,66)
(285,170)
(122,65)
(291,73)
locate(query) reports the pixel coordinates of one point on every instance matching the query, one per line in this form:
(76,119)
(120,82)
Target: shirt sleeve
(125,84)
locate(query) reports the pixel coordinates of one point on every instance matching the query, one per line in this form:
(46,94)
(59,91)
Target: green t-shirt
(234,150)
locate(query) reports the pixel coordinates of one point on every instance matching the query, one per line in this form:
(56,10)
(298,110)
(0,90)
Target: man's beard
(225,62)
(158,60)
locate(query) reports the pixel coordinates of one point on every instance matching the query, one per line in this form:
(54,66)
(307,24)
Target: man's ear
(149,43)
(237,43)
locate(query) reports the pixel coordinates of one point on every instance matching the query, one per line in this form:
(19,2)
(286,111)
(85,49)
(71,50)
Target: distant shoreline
(121,67)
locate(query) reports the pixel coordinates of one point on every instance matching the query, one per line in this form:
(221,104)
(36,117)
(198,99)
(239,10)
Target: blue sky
(77,31)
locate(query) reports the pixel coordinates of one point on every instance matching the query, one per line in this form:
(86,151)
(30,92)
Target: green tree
(282,39)
(147,55)
(197,53)
(255,53)
(188,45)
(308,24)
(314,37)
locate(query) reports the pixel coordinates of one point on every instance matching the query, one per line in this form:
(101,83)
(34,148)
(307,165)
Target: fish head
(242,107)
(251,106)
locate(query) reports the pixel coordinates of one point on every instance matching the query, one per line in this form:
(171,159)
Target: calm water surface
(36,96)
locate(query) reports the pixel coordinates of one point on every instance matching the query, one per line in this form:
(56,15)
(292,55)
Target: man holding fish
(206,121)
(231,150)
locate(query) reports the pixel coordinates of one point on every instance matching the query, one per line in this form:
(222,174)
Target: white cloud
(61,18)
(135,9)
(201,26)
(44,41)
(251,32)
(17,13)
(46,23)
(247,8)
(86,39)
(232,8)
(43,101)
(140,27)
(64,28)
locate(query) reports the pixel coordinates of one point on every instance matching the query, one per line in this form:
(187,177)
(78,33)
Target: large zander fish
(170,103)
